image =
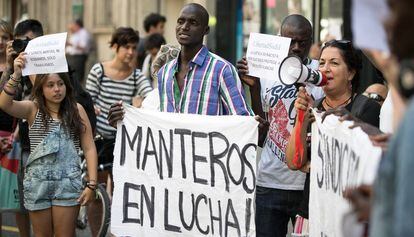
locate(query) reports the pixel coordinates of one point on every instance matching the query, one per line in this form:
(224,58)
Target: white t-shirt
(152,100)
(146,67)
(386,115)
(80,38)
(272,170)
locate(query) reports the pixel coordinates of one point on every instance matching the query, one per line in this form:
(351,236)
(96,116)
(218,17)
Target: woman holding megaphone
(341,64)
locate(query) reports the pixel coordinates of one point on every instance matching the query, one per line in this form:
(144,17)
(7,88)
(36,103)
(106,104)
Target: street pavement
(8,225)
(9,229)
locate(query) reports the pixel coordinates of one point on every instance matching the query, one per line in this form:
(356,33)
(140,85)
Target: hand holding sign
(243,70)
(19,64)
(46,54)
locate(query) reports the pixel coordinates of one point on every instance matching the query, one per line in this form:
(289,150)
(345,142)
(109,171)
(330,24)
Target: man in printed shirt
(279,190)
(198,81)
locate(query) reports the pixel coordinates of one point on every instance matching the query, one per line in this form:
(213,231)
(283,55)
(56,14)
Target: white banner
(341,158)
(184,175)
(264,55)
(46,54)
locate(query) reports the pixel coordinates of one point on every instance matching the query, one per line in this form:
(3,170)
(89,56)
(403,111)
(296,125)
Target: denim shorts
(52,173)
(48,184)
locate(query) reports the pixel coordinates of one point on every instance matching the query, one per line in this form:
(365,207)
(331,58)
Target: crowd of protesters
(53,116)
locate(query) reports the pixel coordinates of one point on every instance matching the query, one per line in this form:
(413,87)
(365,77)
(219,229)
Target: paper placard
(46,54)
(368,17)
(264,55)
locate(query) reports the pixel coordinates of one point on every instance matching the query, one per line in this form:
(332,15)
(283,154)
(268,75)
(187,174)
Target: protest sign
(341,158)
(368,17)
(184,175)
(264,55)
(46,54)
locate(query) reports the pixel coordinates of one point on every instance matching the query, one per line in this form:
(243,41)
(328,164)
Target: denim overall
(52,173)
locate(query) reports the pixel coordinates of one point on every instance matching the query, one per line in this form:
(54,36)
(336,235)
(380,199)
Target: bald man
(377,92)
(279,190)
(198,81)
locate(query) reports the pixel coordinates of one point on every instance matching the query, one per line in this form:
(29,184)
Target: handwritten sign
(184,175)
(341,158)
(264,55)
(46,54)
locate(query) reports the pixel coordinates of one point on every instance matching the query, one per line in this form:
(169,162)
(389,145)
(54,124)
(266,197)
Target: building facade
(233,19)
(100,17)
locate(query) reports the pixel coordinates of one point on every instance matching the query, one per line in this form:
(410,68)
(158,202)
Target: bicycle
(103,198)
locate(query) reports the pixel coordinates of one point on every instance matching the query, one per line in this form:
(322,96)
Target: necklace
(343,103)
(50,110)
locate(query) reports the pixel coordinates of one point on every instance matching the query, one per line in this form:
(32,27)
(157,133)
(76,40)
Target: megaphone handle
(299,150)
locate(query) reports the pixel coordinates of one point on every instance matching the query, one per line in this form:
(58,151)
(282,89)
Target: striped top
(37,132)
(106,91)
(212,87)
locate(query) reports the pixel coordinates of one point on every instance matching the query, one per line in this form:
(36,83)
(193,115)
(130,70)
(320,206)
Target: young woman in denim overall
(58,128)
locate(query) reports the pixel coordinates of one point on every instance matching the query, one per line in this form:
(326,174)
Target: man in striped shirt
(198,81)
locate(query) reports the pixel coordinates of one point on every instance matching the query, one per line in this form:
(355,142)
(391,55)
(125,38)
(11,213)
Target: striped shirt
(106,91)
(211,87)
(37,131)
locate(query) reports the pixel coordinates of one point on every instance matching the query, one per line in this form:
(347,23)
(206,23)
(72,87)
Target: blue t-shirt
(393,207)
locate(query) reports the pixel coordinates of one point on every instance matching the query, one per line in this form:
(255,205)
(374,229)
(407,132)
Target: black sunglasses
(340,43)
(374,96)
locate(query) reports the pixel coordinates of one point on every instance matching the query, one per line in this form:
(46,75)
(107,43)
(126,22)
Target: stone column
(5,10)
(54,15)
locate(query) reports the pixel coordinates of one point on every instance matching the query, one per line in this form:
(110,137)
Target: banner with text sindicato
(184,175)
(341,158)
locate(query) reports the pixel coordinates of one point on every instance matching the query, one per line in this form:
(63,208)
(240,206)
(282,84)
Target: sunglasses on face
(374,96)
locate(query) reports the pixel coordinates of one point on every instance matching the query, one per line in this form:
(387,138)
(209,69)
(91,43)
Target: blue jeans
(274,208)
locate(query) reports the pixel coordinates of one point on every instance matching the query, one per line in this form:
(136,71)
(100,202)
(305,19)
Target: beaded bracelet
(92,187)
(11,80)
(14,79)
(12,85)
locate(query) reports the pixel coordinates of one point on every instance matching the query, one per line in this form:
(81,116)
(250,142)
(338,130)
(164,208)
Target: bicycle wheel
(103,197)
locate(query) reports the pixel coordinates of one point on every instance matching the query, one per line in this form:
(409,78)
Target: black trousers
(77,64)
